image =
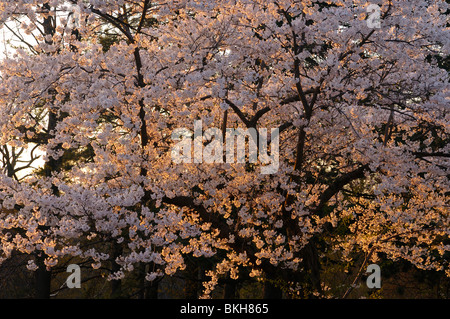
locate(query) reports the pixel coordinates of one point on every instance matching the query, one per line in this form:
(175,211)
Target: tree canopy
(98,87)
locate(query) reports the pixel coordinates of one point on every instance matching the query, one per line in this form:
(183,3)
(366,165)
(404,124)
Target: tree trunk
(271,291)
(229,290)
(312,263)
(116,285)
(151,292)
(42,275)
(191,283)
(42,280)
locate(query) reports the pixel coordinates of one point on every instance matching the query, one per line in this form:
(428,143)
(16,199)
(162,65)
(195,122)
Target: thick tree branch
(239,113)
(216,221)
(248,123)
(337,185)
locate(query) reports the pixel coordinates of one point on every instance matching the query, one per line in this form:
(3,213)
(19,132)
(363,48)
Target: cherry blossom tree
(360,111)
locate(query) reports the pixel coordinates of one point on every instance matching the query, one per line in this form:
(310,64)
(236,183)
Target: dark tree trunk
(151,292)
(191,283)
(147,289)
(116,285)
(42,275)
(271,291)
(42,281)
(312,264)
